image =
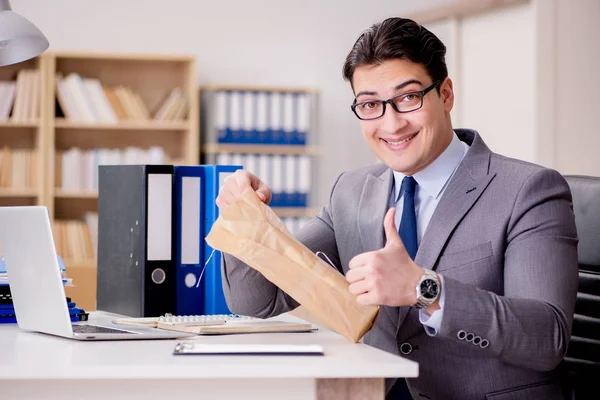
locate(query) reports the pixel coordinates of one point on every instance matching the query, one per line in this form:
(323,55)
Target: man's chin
(402,168)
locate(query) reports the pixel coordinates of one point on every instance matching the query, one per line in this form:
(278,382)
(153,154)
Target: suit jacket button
(476,340)
(406,348)
(461,335)
(484,343)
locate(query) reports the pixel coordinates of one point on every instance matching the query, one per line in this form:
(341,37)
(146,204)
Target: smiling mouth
(408,139)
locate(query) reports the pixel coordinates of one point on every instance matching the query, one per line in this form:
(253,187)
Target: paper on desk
(250,231)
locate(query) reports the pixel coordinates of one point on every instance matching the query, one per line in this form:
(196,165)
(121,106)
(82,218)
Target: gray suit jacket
(503,236)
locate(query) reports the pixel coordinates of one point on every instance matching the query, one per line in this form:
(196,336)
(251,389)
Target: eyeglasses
(403,103)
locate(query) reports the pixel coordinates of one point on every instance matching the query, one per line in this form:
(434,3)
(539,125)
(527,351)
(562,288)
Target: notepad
(248,349)
(219,324)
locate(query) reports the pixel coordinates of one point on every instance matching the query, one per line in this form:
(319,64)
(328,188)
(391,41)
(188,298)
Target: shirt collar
(433,178)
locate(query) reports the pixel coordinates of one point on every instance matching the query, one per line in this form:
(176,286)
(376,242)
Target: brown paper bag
(250,231)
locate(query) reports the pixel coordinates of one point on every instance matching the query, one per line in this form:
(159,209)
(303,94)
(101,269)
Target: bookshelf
(41,121)
(22,138)
(271,131)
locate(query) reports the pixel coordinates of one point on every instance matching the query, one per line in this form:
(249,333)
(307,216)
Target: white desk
(34,365)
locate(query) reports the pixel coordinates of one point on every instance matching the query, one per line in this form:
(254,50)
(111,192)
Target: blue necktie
(408,224)
(408,234)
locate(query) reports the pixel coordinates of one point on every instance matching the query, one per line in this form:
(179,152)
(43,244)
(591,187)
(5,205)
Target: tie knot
(408,184)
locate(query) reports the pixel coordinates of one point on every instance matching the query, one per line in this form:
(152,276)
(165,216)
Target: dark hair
(398,38)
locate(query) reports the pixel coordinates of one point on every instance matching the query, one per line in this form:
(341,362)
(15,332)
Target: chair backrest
(582,362)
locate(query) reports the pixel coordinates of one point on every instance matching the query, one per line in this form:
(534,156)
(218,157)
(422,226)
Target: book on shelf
(76,239)
(18,168)
(77,169)
(289,176)
(20,99)
(85,99)
(258,116)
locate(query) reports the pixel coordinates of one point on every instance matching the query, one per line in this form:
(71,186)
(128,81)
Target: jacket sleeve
(248,292)
(530,324)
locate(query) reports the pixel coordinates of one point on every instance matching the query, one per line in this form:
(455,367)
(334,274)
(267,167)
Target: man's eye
(370,105)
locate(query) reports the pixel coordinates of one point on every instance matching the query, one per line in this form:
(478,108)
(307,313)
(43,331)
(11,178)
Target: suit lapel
(454,204)
(470,180)
(374,202)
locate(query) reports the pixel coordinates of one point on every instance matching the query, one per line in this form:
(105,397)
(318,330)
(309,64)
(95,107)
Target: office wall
(497,87)
(526,79)
(448,32)
(262,42)
(577,100)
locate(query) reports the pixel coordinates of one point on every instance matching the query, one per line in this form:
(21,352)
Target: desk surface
(31,355)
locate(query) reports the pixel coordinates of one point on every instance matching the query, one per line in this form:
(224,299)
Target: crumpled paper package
(250,231)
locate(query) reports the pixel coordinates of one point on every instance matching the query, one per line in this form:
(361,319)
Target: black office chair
(582,362)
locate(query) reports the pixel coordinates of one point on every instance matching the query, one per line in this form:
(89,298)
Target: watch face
(429,289)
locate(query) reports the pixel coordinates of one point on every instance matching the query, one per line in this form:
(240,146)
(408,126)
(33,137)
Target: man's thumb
(391,233)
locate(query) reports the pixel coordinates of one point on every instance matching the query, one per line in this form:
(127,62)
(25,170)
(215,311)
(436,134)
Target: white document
(248,349)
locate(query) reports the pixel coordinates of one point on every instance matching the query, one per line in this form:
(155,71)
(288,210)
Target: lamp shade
(20,40)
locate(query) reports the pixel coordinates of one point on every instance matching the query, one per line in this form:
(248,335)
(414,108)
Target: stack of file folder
(260,116)
(7,310)
(152,256)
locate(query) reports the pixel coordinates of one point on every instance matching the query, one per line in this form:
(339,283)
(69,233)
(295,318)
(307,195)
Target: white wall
(498,79)
(258,42)
(448,31)
(528,81)
(577,101)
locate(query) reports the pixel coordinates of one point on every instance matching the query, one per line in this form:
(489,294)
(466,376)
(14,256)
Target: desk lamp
(20,40)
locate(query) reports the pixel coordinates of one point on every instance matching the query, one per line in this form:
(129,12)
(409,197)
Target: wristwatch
(428,289)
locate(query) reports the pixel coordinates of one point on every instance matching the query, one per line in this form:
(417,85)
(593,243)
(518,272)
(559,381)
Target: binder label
(190,220)
(159,224)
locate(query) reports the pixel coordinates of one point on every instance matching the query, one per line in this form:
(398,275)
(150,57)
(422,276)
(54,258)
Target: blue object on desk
(214,299)
(189,236)
(8,315)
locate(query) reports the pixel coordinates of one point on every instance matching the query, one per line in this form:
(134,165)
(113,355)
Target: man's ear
(447,94)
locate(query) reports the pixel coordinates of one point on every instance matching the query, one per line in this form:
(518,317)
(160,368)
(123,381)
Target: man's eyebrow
(408,82)
(398,87)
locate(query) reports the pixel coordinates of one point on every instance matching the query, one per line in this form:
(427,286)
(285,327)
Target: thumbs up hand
(387,276)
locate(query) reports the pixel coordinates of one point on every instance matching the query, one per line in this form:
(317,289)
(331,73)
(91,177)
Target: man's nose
(392,121)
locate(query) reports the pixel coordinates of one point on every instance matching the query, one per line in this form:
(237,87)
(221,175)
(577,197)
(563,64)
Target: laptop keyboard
(96,329)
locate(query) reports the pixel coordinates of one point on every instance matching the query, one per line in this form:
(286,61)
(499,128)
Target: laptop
(36,284)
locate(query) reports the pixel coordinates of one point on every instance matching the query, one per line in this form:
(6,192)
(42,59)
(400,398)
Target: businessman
(478,284)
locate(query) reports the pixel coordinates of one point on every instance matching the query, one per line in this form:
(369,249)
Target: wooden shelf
(260,149)
(18,192)
(300,212)
(151,78)
(78,263)
(13,124)
(62,123)
(278,89)
(129,56)
(75,194)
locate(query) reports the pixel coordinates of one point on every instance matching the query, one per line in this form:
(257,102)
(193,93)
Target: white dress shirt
(431,184)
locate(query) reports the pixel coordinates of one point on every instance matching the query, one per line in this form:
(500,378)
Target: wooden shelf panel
(78,263)
(108,56)
(18,192)
(283,212)
(75,194)
(260,149)
(25,124)
(279,89)
(62,123)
